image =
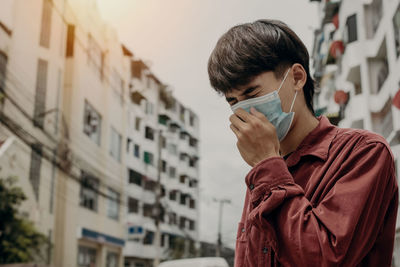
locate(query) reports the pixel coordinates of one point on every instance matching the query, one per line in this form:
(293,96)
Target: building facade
(80,126)
(90,223)
(162,148)
(32,64)
(356,62)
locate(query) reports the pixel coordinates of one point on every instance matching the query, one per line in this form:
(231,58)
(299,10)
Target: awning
(336,49)
(396,100)
(136,97)
(102,238)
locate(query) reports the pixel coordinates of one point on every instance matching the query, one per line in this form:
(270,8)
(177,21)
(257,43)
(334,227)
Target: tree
(20,242)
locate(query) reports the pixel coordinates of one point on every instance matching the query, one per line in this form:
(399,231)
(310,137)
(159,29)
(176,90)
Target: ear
(299,76)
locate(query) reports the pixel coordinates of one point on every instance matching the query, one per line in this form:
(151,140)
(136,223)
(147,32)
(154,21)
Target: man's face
(263,84)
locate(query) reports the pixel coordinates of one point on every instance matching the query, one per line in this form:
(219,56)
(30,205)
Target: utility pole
(219,240)
(157,204)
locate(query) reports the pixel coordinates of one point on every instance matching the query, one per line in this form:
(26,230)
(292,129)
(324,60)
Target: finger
(235,130)
(237,122)
(243,115)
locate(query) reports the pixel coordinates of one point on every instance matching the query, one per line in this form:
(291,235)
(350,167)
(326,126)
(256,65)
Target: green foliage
(20,242)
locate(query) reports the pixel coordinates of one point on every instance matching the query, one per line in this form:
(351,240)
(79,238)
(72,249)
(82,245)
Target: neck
(303,124)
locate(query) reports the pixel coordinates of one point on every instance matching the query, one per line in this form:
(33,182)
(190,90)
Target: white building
(31,73)
(64,89)
(356,51)
(90,223)
(153,109)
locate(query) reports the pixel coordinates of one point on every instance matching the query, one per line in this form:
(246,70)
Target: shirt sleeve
(342,228)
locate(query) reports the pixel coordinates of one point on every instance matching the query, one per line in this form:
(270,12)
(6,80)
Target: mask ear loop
(294,99)
(284,78)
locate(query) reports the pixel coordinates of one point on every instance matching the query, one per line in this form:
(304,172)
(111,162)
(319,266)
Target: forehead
(265,80)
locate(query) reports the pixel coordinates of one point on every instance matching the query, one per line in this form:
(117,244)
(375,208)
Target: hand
(257,138)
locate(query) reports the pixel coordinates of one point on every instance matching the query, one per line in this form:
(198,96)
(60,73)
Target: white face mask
(270,106)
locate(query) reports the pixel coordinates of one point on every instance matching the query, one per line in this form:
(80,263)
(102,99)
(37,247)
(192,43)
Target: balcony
(382,121)
(378,69)
(373,16)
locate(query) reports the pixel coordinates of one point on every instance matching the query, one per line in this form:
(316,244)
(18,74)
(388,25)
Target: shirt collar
(316,143)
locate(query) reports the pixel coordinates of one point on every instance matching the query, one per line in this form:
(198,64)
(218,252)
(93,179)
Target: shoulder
(362,140)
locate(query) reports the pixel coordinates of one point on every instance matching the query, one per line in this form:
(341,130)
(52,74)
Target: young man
(317,195)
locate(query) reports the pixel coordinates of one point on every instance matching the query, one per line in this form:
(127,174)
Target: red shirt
(332,202)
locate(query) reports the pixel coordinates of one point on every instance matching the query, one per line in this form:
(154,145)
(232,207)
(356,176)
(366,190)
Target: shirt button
(251,186)
(243,230)
(265,250)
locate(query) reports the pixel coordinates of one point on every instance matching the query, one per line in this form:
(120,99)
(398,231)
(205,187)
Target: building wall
(91,82)
(358,69)
(23,48)
(151,88)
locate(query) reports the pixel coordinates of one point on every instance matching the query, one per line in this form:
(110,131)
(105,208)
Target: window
(182,179)
(95,57)
(172,195)
(115,145)
(40,95)
(136,151)
(351,28)
(396,28)
(86,256)
(182,135)
(137,124)
(89,191)
(34,171)
(112,259)
(172,218)
(191,225)
(183,199)
(46,24)
(135,177)
(117,84)
(192,162)
(163,141)
(3,69)
(150,185)
(173,149)
(193,142)
(92,123)
(147,210)
(163,166)
(148,238)
(149,133)
(192,203)
(191,120)
(192,183)
(172,172)
(148,158)
(182,221)
(113,204)
(149,108)
(70,40)
(128,144)
(182,113)
(133,205)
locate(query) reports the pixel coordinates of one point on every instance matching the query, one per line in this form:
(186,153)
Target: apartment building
(356,62)
(90,224)
(64,89)
(160,127)
(32,61)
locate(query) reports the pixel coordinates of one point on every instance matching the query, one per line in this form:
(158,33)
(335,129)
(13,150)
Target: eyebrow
(247,91)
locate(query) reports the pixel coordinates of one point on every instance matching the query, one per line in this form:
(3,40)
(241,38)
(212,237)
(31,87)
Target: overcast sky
(175,38)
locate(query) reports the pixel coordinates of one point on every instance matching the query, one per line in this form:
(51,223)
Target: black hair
(249,49)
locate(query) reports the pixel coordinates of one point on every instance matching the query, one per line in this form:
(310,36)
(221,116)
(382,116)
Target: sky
(175,38)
